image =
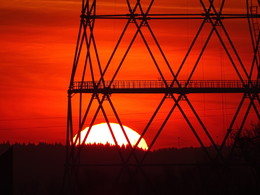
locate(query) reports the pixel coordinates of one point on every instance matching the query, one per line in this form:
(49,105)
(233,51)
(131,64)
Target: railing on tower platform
(159,86)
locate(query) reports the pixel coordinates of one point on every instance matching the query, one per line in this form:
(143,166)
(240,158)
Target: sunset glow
(100,134)
(129,97)
(38,41)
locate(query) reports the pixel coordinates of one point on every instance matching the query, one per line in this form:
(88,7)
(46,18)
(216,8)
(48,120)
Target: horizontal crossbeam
(170,16)
(159,86)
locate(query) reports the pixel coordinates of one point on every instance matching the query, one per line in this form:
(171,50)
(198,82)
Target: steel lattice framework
(89,75)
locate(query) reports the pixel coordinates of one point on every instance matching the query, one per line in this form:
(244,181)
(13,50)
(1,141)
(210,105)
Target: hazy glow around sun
(100,134)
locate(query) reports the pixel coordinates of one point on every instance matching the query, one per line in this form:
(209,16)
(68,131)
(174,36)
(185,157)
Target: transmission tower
(95,79)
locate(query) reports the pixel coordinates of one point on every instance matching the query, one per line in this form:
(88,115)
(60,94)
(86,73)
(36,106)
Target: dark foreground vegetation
(39,170)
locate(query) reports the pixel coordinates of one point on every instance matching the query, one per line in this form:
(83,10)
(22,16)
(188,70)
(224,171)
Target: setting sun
(100,134)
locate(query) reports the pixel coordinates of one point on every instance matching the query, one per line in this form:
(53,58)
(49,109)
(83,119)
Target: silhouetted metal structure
(89,74)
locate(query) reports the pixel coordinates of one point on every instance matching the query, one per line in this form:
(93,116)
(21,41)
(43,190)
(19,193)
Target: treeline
(39,169)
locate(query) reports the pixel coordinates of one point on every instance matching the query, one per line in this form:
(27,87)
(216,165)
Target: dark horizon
(39,169)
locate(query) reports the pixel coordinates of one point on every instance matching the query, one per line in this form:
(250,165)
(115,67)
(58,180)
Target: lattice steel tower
(177,64)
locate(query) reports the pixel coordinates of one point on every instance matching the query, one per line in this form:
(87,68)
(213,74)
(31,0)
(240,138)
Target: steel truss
(175,89)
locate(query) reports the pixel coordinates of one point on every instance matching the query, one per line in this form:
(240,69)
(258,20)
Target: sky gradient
(38,40)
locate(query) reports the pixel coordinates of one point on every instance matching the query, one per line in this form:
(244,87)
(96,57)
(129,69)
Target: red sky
(38,39)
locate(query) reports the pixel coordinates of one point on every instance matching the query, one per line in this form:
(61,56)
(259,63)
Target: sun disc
(101,134)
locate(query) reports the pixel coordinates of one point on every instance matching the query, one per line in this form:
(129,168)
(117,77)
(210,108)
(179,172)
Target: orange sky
(37,46)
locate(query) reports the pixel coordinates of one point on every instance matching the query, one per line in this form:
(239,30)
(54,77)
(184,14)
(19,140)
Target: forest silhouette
(39,169)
